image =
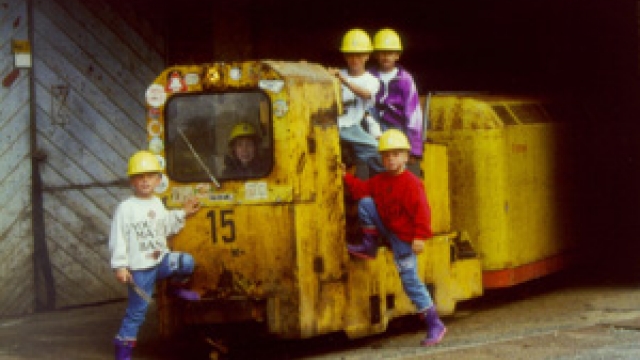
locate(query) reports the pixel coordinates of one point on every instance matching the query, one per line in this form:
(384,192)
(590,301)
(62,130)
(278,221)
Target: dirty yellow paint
(280,257)
(507,165)
(436,174)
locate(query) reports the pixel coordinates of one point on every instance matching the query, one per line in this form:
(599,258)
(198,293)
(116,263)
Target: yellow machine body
(270,246)
(510,168)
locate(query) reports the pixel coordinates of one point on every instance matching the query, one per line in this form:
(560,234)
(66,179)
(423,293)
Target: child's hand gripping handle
(417,245)
(191,206)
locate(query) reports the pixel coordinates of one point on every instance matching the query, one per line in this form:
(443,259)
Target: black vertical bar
(374,306)
(42,273)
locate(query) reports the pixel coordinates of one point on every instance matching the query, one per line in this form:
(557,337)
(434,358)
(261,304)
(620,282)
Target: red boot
(435,327)
(369,246)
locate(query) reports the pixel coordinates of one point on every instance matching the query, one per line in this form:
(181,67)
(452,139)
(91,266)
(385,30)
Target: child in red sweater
(395,205)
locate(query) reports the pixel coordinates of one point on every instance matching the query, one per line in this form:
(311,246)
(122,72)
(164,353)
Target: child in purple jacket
(397,104)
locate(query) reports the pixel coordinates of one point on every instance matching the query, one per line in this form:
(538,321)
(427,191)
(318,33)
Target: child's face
(394,161)
(387,60)
(356,62)
(144,184)
(245,149)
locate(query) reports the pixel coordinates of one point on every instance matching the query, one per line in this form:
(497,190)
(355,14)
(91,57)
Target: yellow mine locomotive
(270,241)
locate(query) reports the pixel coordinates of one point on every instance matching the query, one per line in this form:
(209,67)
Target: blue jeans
(172,264)
(364,146)
(403,255)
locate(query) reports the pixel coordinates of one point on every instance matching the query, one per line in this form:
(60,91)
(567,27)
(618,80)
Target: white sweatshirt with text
(139,232)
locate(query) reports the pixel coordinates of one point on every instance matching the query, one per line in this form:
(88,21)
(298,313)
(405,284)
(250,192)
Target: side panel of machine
(272,249)
(505,183)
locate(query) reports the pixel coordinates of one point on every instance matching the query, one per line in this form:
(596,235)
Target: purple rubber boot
(369,246)
(435,327)
(124,348)
(179,287)
(186,294)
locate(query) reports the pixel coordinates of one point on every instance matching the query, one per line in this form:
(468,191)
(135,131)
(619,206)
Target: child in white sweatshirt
(138,245)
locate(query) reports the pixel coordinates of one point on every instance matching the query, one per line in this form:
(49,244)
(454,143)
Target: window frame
(265,150)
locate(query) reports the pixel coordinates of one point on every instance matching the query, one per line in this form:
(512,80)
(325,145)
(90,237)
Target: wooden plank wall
(16,245)
(92,69)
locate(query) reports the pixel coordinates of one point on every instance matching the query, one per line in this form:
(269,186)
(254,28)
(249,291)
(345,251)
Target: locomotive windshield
(218,135)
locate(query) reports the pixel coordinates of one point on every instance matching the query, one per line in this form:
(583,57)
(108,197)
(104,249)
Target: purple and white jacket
(398,105)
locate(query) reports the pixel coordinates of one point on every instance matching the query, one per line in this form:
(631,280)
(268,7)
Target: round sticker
(164,184)
(235,74)
(154,128)
(153,113)
(156,96)
(156,145)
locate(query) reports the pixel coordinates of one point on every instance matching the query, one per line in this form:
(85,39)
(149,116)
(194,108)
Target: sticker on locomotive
(175,82)
(161,160)
(164,184)
(155,95)
(221,197)
(275,86)
(154,128)
(153,113)
(156,145)
(203,190)
(256,191)
(235,73)
(192,79)
(181,193)
(280,108)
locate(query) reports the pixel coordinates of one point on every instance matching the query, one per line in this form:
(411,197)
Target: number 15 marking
(226,221)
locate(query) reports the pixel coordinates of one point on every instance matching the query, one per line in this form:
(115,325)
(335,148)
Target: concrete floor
(570,316)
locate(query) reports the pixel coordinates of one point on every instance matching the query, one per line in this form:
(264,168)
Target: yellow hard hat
(356,41)
(387,40)
(143,162)
(393,139)
(242,129)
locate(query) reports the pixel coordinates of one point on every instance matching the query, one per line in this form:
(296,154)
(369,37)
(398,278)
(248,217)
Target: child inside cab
(138,244)
(394,204)
(358,91)
(397,104)
(243,159)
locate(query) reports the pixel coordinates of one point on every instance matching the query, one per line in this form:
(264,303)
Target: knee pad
(181,263)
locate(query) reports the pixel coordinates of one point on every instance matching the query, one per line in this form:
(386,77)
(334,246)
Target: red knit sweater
(401,202)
